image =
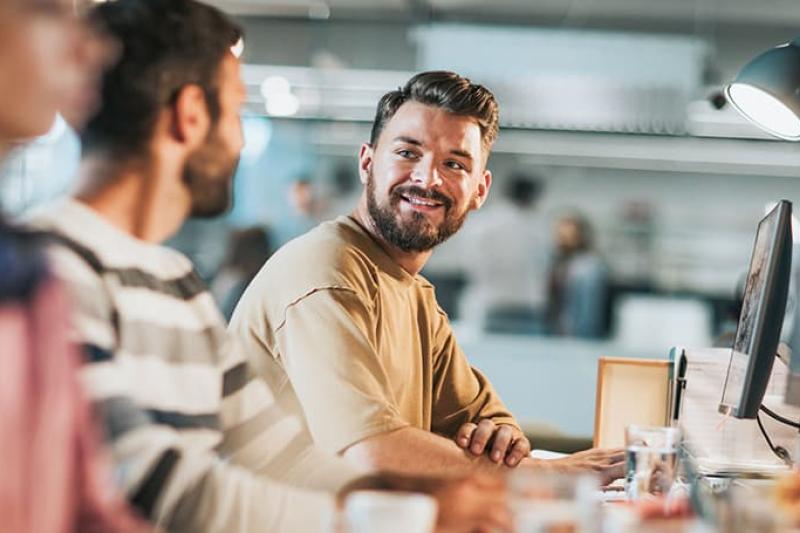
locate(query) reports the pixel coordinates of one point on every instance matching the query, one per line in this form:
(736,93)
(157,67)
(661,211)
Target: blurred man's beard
(209,176)
(418,234)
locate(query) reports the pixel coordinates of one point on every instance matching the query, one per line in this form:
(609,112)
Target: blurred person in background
(343,192)
(248,249)
(192,427)
(303,207)
(55,476)
(578,281)
(506,262)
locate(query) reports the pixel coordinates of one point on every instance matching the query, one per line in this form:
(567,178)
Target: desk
(719,443)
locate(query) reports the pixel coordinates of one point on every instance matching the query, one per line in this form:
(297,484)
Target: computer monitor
(792,394)
(761,317)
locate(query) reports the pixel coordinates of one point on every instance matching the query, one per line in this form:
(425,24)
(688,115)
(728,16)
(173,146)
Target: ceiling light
(275,85)
(282,104)
(320,11)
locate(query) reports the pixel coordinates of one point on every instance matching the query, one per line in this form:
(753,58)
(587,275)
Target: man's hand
(503,444)
(608,464)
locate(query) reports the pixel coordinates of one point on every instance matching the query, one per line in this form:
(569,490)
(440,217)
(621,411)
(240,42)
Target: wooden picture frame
(630,392)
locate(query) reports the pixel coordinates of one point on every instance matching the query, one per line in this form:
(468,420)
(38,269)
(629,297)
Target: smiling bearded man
(350,336)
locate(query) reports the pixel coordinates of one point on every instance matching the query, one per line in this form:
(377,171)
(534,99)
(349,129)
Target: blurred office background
(626,192)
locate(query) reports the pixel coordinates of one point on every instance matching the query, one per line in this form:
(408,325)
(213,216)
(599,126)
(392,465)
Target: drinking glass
(651,455)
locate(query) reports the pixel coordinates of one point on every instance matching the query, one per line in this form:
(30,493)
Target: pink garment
(53,476)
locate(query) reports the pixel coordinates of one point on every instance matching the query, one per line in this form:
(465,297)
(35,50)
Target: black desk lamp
(767,91)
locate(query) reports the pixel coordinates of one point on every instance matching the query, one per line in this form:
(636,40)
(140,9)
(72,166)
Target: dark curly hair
(164,45)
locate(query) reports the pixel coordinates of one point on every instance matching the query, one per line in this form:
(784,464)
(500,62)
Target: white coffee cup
(389,512)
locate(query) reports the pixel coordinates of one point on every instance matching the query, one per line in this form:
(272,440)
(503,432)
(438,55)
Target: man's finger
(617,455)
(520,449)
(613,473)
(612,455)
(464,435)
(609,456)
(481,436)
(500,444)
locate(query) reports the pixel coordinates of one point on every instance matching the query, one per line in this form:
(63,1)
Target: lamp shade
(767,91)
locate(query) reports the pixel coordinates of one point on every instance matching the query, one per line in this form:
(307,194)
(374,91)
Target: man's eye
(455,165)
(408,154)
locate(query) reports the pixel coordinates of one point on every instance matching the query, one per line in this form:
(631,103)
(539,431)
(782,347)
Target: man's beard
(209,175)
(419,234)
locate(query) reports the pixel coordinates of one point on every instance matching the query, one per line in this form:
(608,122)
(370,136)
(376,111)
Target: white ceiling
(304,8)
(784,11)
(779,12)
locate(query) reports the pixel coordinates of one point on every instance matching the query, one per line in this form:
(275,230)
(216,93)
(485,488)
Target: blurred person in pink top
(54,474)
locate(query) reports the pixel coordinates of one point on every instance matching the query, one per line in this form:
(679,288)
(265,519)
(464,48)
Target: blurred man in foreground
(192,427)
(55,476)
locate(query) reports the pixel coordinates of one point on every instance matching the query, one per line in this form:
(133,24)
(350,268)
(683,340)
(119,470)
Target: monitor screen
(792,335)
(761,318)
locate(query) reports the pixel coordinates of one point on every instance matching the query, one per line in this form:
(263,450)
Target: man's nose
(426,175)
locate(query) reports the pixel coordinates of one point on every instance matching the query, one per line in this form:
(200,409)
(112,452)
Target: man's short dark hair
(164,45)
(448,91)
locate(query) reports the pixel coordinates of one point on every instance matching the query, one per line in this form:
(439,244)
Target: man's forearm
(414,451)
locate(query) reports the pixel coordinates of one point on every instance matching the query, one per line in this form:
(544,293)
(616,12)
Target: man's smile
(419,203)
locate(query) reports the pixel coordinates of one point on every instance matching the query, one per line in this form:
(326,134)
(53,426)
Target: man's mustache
(427,194)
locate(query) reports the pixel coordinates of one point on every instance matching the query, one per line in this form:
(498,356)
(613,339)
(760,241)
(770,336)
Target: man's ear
(365,159)
(190,117)
(484,184)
